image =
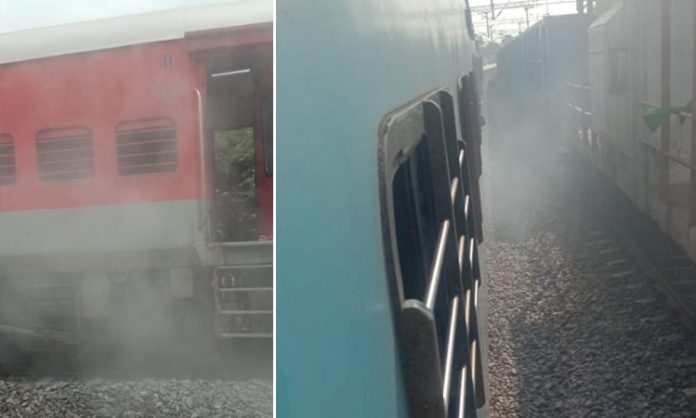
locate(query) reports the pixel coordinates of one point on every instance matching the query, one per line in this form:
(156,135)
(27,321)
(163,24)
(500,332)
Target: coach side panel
(105,150)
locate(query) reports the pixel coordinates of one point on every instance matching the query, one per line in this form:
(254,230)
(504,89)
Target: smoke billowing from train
(136,189)
(616,84)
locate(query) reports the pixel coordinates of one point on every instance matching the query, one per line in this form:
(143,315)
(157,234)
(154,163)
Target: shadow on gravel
(575,330)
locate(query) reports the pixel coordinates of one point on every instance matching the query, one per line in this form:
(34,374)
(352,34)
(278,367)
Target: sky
(26,14)
(511,21)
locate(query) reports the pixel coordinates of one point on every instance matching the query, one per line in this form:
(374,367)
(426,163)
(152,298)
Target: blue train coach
(379,213)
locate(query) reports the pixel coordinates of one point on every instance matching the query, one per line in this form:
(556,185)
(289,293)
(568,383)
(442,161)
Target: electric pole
(526,15)
(488,26)
(491,11)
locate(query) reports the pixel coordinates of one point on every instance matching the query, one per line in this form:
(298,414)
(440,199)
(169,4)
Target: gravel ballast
(575,326)
(136,398)
(235,381)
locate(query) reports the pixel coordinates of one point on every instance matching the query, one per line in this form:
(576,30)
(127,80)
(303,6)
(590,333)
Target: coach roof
(121,31)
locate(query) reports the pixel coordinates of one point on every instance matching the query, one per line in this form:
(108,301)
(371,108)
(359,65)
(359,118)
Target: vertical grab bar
(202,207)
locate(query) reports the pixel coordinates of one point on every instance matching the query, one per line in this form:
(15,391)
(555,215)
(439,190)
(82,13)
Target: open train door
(234,90)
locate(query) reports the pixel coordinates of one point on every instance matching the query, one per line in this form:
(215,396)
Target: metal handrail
(436,271)
(578,86)
(472,363)
(472,244)
(462,393)
(579,109)
(667,155)
(461,250)
(573,105)
(451,335)
(203,167)
(647,144)
(466,206)
(467,310)
(201,140)
(454,189)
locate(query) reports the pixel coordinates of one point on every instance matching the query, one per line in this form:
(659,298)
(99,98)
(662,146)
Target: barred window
(431,255)
(8,170)
(146,146)
(65,154)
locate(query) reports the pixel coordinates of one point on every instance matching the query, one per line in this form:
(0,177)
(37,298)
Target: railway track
(674,275)
(580,323)
(667,267)
(637,254)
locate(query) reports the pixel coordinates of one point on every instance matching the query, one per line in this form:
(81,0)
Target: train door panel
(237,127)
(264,158)
(231,135)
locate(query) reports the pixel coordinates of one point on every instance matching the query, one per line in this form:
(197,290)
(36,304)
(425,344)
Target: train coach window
(431,256)
(146,146)
(8,171)
(65,154)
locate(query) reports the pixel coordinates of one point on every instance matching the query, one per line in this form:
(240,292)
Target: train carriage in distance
(136,177)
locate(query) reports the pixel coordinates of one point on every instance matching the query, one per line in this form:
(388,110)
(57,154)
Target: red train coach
(136,190)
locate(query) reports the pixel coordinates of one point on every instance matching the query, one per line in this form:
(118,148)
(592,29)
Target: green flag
(655,117)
